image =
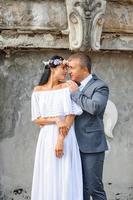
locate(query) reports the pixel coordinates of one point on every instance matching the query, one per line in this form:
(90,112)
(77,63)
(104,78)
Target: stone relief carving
(85,22)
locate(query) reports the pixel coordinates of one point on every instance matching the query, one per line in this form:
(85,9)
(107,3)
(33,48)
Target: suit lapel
(94,77)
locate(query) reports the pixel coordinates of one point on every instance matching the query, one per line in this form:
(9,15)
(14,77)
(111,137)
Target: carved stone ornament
(85,22)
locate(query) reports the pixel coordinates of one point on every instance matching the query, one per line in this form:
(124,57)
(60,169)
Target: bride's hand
(73,86)
(63,129)
(59,146)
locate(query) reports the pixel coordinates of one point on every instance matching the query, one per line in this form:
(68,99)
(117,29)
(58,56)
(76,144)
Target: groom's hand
(72,86)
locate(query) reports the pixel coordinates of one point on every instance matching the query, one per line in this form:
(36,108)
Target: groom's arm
(96,103)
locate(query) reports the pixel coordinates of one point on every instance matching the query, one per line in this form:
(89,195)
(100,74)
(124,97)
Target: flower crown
(55,62)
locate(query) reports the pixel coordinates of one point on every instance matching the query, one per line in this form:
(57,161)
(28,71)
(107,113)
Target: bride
(57,168)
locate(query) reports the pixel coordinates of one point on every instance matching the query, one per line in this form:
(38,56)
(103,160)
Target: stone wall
(19,135)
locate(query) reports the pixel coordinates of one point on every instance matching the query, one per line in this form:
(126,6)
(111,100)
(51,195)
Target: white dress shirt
(85,81)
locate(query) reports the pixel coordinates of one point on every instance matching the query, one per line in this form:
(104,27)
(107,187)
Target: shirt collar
(85,81)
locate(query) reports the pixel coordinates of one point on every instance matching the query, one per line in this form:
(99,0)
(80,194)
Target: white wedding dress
(56,178)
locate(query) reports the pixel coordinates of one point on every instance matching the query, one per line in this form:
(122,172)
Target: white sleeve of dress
(35,113)
(70,107)
(76,109)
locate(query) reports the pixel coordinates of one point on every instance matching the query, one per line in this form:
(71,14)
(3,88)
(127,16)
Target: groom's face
(76,71)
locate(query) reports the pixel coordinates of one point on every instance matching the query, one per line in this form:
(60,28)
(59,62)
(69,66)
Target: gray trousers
(92,166)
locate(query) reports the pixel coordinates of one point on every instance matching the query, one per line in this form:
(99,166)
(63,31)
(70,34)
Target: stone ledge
(122,1)
(109,41)
(114,41)
(117,42)
(36,41)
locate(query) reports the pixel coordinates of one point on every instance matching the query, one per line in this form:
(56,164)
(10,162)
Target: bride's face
(60,72)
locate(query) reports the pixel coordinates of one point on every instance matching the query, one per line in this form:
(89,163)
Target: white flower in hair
(57,62)
(45,62)
(65,62)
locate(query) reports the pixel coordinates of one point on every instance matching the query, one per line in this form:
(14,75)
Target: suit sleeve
(94,105)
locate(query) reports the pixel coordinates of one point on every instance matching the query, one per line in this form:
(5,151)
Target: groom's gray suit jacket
(89,126)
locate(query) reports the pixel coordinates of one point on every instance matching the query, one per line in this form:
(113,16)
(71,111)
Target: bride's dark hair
(53,63)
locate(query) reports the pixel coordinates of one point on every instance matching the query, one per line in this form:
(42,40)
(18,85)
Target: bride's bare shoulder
(45,88)
(38,88)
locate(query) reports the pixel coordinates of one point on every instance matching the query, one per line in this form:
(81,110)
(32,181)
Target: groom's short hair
(85,60)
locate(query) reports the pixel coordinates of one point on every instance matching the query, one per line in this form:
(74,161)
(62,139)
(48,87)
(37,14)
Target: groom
(92,96)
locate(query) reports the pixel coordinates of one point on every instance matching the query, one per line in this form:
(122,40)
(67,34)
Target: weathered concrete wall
(18,136)
(117,70)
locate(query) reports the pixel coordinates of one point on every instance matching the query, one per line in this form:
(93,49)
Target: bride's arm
(41,121)
(68,121)
(65,125)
